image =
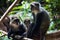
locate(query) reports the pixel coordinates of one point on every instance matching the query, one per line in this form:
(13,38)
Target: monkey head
(14,22)
(27,22)
(35,7)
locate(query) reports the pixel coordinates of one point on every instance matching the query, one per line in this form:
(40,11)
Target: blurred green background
(22,10)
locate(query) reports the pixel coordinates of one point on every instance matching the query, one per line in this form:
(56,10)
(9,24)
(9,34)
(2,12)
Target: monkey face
(35,7)
(27,21)
(14,23)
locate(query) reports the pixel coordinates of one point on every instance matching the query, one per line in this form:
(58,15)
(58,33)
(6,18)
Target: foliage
(4,38)
(22,10)
(52,6)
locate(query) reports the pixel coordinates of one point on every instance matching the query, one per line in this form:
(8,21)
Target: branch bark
(5,33)
(9,9)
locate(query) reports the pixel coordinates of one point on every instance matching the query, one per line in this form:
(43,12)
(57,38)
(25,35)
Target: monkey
(27,22)
(6,22)
(39,27)
(3,27)
(16,28)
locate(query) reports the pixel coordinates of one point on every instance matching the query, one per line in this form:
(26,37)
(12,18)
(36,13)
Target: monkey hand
(8,37)
(18,37)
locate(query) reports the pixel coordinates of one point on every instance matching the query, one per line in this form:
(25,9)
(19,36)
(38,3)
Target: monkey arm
(38,22)
(23,35)
(9,33)
(30,30)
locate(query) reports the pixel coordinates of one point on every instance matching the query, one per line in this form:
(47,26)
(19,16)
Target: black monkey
(16,28)
(41,22)
(27,22)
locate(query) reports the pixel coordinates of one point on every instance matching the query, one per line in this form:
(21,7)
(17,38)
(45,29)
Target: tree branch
(9,9)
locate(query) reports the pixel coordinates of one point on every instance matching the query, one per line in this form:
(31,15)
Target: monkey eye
(12,18)
(16,20)
(37,5)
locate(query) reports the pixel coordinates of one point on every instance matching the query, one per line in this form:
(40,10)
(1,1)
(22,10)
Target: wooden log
(49,36)
(5,33)
(53,36)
